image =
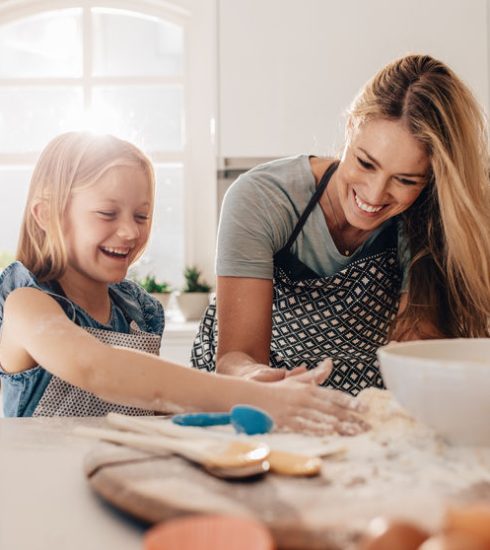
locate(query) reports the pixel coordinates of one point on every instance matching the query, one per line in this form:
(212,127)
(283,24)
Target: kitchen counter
(46,502)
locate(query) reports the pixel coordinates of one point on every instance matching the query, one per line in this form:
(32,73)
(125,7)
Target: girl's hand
(298,404)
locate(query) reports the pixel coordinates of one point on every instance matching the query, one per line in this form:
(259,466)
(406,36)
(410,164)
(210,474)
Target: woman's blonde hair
(448,227)
(70,162)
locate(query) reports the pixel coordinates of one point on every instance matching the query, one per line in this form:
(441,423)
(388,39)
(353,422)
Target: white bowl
(444,384)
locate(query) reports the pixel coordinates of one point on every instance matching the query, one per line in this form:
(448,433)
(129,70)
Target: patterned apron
(345,316)
(63,399)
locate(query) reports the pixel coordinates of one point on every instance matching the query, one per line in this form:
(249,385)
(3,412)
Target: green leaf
(150,284)
(193,281)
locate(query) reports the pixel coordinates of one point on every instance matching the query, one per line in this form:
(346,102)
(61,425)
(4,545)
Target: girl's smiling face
(107,224)
(383,171)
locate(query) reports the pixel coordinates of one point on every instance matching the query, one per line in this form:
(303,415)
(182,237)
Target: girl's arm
(244,307)
(36,331)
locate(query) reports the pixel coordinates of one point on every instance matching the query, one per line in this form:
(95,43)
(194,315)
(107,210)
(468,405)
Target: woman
(333,258)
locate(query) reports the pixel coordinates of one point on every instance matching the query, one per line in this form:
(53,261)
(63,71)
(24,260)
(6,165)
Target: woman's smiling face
(383,171)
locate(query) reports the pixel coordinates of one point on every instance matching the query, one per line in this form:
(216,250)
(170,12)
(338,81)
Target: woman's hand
(298,404)
(241,364)
(264,373)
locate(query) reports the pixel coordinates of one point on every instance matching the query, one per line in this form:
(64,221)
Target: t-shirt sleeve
(254,224)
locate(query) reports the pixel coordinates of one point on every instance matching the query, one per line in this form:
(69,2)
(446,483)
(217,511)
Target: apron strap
(309,207)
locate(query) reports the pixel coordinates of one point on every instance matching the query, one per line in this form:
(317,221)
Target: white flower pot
(192,304)
(162,297)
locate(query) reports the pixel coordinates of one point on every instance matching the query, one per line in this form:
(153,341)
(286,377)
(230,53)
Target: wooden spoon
(221,458)
(281,462)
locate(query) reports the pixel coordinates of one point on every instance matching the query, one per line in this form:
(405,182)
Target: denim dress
(137,321)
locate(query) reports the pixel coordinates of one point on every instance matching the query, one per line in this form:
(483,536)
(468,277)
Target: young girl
(78,339)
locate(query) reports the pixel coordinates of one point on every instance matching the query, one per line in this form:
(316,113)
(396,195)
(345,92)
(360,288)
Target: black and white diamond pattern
(346,317)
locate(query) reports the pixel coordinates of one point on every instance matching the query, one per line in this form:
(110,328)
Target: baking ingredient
(294,464)
(384,534)
(454,541)
(209,532)
(470,518)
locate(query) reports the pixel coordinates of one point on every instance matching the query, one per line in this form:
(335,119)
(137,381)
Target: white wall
(289,68)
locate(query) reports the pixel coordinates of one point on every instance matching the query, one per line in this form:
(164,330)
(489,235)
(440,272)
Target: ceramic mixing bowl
(444,384)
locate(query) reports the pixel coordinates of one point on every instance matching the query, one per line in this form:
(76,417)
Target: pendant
(346,253)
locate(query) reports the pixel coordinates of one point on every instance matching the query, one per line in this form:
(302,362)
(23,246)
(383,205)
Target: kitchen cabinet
(289,68)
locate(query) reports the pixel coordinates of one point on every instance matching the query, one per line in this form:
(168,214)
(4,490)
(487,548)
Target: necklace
(337,223)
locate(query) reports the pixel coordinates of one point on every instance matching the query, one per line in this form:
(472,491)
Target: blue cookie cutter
(244,418)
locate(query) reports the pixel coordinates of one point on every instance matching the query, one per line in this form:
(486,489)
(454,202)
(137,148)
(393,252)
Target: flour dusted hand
(302,406)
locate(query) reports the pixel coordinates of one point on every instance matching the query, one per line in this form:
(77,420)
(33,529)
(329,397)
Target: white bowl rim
(395,350)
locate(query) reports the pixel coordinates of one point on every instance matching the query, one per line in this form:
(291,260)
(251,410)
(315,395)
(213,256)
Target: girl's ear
(39,211)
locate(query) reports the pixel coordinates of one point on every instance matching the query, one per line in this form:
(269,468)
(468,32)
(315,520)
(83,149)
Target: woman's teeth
(367,207)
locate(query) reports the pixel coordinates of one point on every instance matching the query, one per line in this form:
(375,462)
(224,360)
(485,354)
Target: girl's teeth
(115,251)
(366,207)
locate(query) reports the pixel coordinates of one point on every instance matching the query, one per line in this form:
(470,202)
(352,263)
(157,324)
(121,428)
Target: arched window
(121,71)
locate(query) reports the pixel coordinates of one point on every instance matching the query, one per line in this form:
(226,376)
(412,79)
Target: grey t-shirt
(260,211)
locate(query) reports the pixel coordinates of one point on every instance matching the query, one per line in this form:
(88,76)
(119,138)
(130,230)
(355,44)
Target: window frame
(198,18)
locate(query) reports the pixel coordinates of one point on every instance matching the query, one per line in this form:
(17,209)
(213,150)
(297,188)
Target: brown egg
(455,540)
(472,518)
(383,534)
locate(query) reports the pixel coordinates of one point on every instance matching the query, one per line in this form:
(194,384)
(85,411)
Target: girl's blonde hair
(448,227)
(70,162)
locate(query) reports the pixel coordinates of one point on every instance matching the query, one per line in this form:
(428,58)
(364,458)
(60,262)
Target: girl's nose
(128,229)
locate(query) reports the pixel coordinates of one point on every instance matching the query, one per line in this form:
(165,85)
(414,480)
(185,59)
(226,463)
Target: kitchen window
(123,68)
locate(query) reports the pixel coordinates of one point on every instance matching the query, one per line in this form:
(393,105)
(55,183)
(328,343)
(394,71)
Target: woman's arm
(36,331)
(244,308)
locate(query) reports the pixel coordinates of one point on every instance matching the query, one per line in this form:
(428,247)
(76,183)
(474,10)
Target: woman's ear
(39,211)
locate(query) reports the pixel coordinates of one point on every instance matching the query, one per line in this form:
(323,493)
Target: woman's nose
(376,191)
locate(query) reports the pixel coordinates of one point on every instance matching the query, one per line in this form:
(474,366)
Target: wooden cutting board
(399,469)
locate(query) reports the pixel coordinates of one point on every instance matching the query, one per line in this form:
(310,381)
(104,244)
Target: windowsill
(178,337)
(177,325)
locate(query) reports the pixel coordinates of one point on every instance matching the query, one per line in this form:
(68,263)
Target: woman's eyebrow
(375,162)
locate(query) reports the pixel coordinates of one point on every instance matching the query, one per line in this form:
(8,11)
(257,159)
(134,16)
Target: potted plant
(194,296)
(160,290)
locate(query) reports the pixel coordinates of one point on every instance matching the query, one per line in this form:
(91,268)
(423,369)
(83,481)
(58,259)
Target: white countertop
(45,501)
(47,504)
